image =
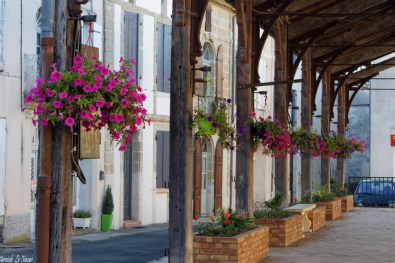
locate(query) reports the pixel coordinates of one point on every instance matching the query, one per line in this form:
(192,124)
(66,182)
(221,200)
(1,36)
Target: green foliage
(271,214)
(82,214)
(275,202)
(339,190)
(108,203)
(271,209)
(225,224)
(323,195)
(210,117)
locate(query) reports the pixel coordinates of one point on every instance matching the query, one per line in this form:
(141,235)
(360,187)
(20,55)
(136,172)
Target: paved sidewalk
(365,235)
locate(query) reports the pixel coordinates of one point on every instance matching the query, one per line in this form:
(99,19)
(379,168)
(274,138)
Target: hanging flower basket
(92,96)
(212,116)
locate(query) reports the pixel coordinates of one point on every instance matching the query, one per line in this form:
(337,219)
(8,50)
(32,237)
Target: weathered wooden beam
(244,157)
(341,129)
(281,107)
(306,113)
(181,161)
(325,128)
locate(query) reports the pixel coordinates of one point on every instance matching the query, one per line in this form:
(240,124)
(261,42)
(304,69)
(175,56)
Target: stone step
(131,223)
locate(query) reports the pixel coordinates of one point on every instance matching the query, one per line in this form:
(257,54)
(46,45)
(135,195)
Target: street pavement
(365,235)
(139,245)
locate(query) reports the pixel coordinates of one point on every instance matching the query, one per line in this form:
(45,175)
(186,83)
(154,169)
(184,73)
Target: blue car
(375,192)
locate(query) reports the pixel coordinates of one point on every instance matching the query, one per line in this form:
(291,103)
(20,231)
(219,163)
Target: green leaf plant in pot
(107,209)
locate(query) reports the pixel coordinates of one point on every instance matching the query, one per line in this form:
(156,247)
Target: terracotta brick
(228,252)
(219,245)
(201,245)
(203,257)
(209,251)
(219,257)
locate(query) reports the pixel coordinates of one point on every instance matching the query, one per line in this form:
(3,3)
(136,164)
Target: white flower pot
(81,222)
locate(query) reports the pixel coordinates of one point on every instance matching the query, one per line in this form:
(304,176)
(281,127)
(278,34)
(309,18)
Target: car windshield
(375,187)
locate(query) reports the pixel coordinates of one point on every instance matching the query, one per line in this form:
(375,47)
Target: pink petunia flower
(63,95)
(100,103)
(104,71)
(69,121)
(57,104)
(55,77)
(44,122)
(77,82)
(49,92)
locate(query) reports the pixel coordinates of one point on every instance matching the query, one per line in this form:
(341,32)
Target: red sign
(393,140)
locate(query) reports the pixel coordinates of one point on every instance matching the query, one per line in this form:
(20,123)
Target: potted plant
(284,228)
(82,219)
(236,234)
(92,96)
(343,193)
(211,116)
(332,204)
(107,209)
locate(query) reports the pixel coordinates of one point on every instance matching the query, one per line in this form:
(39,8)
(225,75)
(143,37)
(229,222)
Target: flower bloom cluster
(210,117)
(274,139)
(277,141)
(93,96)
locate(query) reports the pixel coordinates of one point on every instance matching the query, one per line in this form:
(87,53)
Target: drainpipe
(233,104)
(44,181)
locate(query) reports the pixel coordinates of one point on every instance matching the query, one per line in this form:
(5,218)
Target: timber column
(181,160)
(341,129)
(325,127)
(244,156)
(44,181)
(281,108)
(307,169)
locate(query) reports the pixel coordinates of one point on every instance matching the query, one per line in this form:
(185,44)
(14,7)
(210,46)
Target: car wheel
(360,204)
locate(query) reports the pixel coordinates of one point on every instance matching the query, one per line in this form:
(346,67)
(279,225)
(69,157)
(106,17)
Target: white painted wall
(152,5)
(382,122)
(2,163)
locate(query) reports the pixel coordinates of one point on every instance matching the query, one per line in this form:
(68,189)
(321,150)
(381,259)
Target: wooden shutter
(167,58)
(131,39)
(220,71)
(160,57)
(218,177)
(197,184)
(163,57)
(162,159)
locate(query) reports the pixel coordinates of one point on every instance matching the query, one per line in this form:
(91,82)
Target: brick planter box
(251,246)
(317,218)
(283,232)
(333,209)
(347,203)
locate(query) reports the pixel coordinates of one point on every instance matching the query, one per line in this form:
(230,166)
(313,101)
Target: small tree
(108,203)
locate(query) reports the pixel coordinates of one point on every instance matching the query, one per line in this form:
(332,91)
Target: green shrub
(225,224)
(323,195)
(82,214)
(108,203)
(271,214)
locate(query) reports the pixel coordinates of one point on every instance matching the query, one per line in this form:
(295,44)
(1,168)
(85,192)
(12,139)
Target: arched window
(209,60)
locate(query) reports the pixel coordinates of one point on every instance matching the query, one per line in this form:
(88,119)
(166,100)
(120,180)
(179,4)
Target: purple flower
(240,130)
(215,125)
(69,121)
(100,103)
(228,100)
(92,108)
(63,95)
(77,82)
(55,77)
(57,104)
(87,89)
(209,118)
(104,71)
(77,60)
(84,114)
(49,92)
(98,77)
(29,98)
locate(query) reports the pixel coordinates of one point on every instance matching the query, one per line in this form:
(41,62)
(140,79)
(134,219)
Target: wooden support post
(244,157)
(181,163)
(281,109)
(306,169)
(325,127)
(341,128)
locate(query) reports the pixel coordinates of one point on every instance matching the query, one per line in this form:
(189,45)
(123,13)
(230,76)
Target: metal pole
(44,182)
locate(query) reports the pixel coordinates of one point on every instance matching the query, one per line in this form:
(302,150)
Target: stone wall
(16,229)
